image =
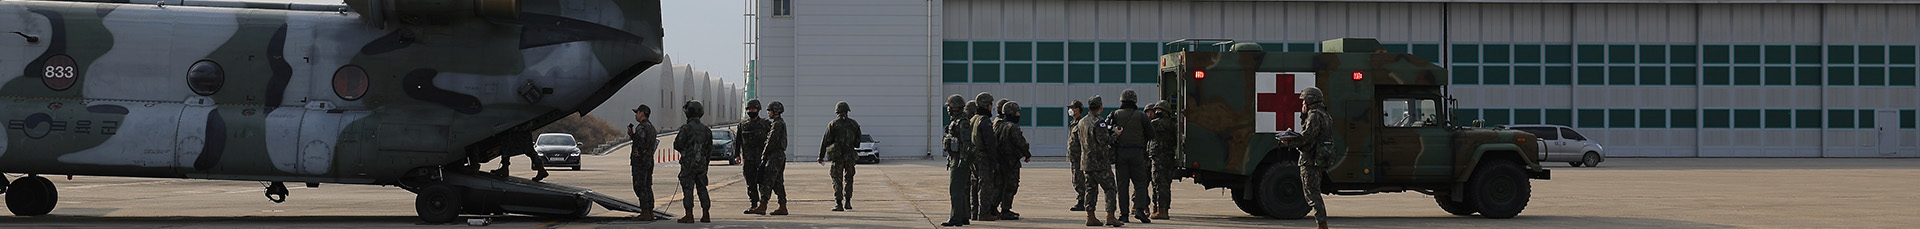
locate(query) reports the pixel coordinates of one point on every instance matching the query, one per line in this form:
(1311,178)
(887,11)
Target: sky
(707,34)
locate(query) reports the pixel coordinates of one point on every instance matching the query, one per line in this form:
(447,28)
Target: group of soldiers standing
(762,147)
(984,156)
(1119,154)
(1129,151)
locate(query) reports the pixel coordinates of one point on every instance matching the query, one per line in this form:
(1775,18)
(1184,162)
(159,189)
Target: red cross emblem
(1277,100)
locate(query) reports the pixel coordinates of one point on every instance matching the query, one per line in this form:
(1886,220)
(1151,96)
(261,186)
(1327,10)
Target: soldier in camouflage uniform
(1096,160)
(959,172)
(1160,148)
(985,159)
(1074,111)
(776,170)
(1313,157)
(1013,150)
(1130,156)
(520,143)
(750,143)
(644,143)
(843,135)
(693,142)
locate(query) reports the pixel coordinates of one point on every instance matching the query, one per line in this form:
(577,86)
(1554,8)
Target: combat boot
(1142,216)
(646,214)
(990,217)
(1160,213)
(760,210)
(1091,221)
(706,215)
(686,218)
(781,211)
(1115,222)
(1323,224)
(1077,208)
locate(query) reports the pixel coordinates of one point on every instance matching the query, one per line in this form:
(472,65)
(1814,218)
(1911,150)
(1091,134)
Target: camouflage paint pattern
(1218,111)
(306,93)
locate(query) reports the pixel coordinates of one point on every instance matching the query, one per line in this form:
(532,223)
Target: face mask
(753,114)
(1013,118)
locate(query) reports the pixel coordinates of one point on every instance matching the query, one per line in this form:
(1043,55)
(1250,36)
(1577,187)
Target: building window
(782,8)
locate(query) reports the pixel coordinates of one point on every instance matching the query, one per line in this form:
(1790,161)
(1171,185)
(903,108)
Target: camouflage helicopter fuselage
(301,93)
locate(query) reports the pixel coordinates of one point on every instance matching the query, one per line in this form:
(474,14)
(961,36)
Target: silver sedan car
(1560,143)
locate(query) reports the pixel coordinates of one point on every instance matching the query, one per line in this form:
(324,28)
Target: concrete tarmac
(1621,193)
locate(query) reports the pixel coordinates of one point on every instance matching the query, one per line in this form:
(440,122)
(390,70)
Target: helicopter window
(350,82)
(206,77)
(1409,112)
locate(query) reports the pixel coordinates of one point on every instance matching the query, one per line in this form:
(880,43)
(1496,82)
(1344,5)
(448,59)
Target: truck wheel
(1499,189)
(1454,207)
(1280,194)
(438,204)
(1247,204)
(1591,160)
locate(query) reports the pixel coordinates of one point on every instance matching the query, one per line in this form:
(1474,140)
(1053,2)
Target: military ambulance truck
(1391,129)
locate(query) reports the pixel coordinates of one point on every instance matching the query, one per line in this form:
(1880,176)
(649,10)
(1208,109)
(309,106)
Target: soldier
(750,143)
(1313,153)
(1013,150)
(984,159)
(641,159)
(520,143)
(1074,112)
(693,142)
(1095,141)
(843,135)
(1130,156)
(776,169)
(959,171)
(1160,148)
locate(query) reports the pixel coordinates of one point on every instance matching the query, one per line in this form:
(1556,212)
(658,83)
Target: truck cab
(1391,128)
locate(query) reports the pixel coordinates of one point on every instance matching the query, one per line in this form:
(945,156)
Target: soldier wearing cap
(642,133)
(1074,112)
(1096,160)
(843,135)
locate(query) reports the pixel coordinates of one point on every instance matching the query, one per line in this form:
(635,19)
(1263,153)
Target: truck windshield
(1409,112)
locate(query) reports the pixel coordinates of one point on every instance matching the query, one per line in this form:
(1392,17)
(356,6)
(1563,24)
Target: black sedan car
(560,150)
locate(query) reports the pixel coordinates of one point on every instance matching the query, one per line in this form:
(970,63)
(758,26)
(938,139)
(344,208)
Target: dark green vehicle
(1392,129)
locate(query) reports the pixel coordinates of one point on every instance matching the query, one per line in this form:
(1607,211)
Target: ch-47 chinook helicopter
(406,93)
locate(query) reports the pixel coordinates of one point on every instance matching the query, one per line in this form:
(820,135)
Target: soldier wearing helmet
(1130,166)
(750,146)
(694,141)
(959,165)
(1310,141)
(985,159)
(1013,151)
(775,178)
(1160,148)
(843,135)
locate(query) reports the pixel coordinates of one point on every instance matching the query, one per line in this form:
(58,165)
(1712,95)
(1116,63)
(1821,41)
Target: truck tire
(1279,192)
(1454,207)
(1499,189)
(438,204)
(1247,204)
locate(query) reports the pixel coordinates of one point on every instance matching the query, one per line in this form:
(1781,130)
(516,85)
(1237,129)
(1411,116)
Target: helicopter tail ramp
(486,194)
